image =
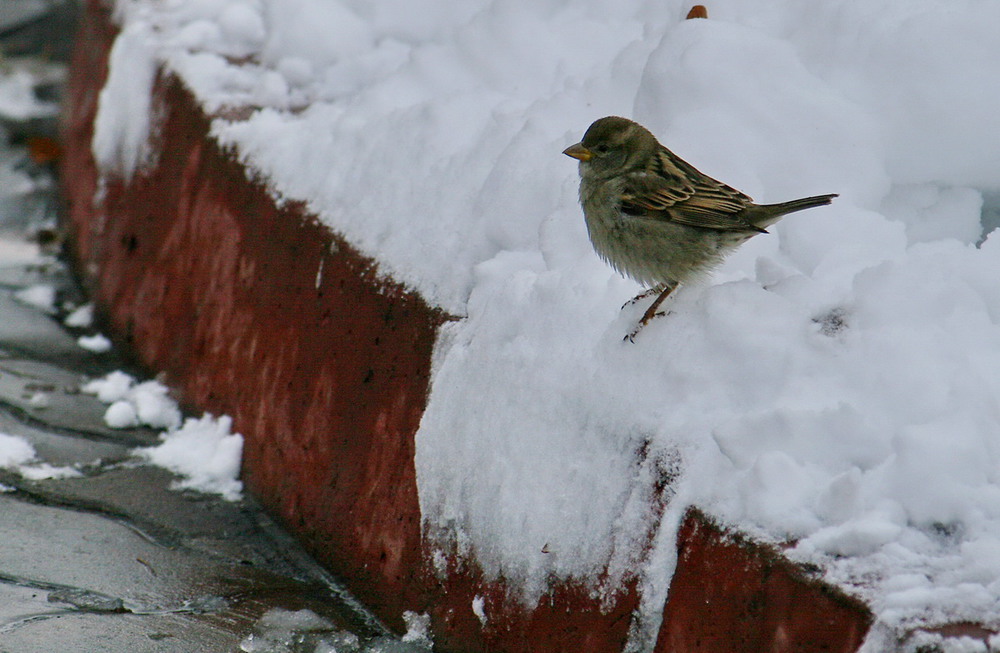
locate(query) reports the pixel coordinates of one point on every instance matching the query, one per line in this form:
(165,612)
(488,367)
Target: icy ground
(835,384)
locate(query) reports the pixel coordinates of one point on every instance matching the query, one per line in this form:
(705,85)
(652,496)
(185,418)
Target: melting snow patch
(39,400)
(14,450)
(16,251)
(97,343)
(278,631)
(205,453)
(40,296)
(18,100)
(418,629)
(479,609)
(133,404)
(201,450)
(41,471)
(283,631)
(81,317)
(17,453)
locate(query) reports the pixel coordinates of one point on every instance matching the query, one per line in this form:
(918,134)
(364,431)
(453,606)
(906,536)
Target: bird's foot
(643,322)
(664,290)
(643,295)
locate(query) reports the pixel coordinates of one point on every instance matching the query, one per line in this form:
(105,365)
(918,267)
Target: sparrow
(654,217)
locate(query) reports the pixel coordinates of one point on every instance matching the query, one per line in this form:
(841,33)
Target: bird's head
(611,146)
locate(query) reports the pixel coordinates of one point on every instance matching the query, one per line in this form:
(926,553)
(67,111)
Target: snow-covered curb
(834,384)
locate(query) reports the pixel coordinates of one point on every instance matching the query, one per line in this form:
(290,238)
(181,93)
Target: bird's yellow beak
(578,151)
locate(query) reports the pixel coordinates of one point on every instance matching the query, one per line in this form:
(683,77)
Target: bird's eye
(603,148)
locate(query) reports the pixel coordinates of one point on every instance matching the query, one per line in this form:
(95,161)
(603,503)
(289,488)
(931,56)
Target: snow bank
(835,383)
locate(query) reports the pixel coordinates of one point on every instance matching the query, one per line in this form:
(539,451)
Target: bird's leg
(650,313)
(644,294)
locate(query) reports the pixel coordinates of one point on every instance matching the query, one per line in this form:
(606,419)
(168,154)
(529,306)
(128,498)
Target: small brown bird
(654,217)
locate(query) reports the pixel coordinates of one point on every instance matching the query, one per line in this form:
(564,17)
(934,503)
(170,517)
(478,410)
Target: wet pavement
(112,559)
(97,552)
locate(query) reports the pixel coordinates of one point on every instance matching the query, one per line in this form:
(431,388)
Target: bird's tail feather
(785,208)
(768,214)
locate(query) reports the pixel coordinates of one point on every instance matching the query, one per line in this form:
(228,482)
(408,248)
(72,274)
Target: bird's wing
(673,190)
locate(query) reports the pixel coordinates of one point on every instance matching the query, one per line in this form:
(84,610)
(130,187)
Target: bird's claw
(634,332)
(641,296)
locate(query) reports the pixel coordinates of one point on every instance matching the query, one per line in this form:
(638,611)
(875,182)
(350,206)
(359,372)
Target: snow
(133,403)
(39,400)
(14,450)
(122,139)
(205,452)
(39,471)
(18,100)
(202,451)
(479,609)
(280,631)
(81,317)
(834,384)
(18,454)
(13,252)
(121,415)
(97,343)
(41,296)
(112,387)
(418,630)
